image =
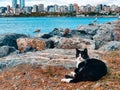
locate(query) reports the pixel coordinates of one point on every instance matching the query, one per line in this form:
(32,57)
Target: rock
(85,31)
(66,33)
(56,40)
(72,43)
(90,29)
(46,36)
(59,32)
(117,34)
(50,44)
(111,46)
(10,39)
(56,31)
(26,44)
(81,34)
(105,34)
(6,50)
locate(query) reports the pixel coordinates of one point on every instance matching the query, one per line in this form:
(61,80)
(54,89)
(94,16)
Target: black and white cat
(87,69)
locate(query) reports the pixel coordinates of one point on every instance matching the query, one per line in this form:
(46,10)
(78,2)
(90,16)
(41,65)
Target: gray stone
(56,31)
(5,50)
(50,44)
(111,46)
(46,36)
(72,43)
(9,39)
(81,34)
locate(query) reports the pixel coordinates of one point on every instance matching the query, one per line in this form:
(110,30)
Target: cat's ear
(77,50)
(85,50)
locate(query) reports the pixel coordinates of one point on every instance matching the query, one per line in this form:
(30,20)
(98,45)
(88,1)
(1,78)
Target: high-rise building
(28,9)
(63,9)
(22,4)
(71,8)
(113,7)
(2,9)
(76,8)
(56,7)
(8,9)
(51,8)
(14,3)
(106,8)
(99,8)
(41,7)
(35,8)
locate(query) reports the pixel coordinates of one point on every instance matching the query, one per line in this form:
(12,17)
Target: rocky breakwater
(94,36)
(100,37)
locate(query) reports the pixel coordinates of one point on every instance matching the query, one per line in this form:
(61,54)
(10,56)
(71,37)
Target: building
(88,8)
(106,9)
(118,10)
(71,8)
(113,7)
(64,9)
(56,7)
(8,9)
(50,8)
(14,3)
(76,8)
(35,8)
(16,11)
(22,4)
(92,8)
(28,9)
(81,9)
(99,8)
(41,8)
(2,10)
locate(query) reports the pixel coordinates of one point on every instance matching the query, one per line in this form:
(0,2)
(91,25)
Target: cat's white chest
(79,60)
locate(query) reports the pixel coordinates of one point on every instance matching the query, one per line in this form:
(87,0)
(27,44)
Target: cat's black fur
(90,69)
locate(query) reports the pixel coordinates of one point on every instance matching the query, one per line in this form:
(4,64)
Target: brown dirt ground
(38,77)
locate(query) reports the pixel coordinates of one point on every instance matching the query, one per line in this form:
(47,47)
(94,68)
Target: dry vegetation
(38,77)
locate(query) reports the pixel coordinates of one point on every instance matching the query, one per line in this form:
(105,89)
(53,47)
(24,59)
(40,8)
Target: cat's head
(82,54)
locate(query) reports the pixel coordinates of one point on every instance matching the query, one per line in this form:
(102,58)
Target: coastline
(61,16)
(25,66)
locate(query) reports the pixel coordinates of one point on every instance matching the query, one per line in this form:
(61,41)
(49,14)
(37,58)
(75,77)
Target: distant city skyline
(62,2)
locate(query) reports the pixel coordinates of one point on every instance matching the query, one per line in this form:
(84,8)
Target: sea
(27,25)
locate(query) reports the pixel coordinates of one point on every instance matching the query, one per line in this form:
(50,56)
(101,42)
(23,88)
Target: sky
(62,2)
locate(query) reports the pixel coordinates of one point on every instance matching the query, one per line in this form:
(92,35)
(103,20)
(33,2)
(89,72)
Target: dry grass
(37,77)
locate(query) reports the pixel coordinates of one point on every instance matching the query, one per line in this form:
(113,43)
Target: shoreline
(59,16)
(32,69)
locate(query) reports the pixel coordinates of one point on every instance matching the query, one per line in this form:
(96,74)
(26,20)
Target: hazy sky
(62,2)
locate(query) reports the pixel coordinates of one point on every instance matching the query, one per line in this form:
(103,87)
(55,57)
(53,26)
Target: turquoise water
(46,24)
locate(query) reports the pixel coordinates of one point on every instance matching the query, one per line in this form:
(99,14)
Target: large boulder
(105,34)
(111,46)
(46,36)
(81,34)
(5,50)
(57,32)
(50,44)
(89,29)
(9,39)
(72,43)
(26,44)
(84,31)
